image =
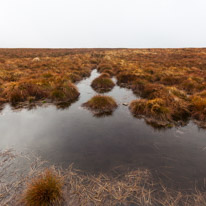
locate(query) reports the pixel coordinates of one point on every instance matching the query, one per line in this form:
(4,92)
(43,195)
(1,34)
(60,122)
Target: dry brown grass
(49,77)
(148,72)
(44,190)
(22,91)
(133,187)
(101,104)
(199,108)
(64,91)
(103,67)
(155,109)
(102,84)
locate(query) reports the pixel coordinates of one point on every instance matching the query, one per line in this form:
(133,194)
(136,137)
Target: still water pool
(100,144)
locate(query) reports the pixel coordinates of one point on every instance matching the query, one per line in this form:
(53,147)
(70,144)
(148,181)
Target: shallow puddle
(74,135)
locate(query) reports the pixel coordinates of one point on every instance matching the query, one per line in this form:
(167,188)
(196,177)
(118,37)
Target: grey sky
(102,23)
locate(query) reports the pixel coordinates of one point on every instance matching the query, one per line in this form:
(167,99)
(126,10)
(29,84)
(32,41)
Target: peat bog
(155,127)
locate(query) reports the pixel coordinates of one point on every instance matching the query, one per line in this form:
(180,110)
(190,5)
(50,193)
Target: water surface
(74,135)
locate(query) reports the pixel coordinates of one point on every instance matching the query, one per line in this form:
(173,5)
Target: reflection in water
(93,144)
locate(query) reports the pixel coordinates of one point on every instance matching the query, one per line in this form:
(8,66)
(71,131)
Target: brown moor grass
(102,84)
(101,104)
(150,73)
(44,190)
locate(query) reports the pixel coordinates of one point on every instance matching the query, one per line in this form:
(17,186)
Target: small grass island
(101,105)
(103,83)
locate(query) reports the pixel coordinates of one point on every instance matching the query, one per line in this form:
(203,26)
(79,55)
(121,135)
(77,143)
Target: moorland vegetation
(170,84)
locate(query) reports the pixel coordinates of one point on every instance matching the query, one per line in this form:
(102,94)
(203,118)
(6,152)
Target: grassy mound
(162,111)
(44,190)
(31,91)
(125,78)
(100,104)
(64,92)
(74,77)
(105,75)
(24,91)
(171,79)
(104,67)
(199,108)
(191,86)
(102,84)
(108,72)
(155,108)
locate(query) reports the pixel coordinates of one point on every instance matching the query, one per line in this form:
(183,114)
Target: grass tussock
(104,67)
(125,78)
(109,72)
(101,104)
(105,75)
(155,108)
(202,93)
(102,83)
(199,108)
(44,190)
(190,86)
(74,77)
(65,91)
(167,104)
(171,79)
(23,91)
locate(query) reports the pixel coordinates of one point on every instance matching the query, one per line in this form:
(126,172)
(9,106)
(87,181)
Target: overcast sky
(102,23)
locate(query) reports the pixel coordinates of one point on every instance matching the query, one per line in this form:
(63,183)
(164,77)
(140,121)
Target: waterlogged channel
(100,144)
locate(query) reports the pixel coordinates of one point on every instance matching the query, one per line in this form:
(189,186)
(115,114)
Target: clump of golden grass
(151,91)
(155,108)
(178,93)
(104,75)
(201,94)
(178,103)
(125,78)
(104,67)
(101,104)
(102,84)
(199,103)
(47,75)
(199,108)
(20,92)
(173,105)
(171,79)
(44,190)
(190,85)
(74,77)
(109,72)
(2,61)
(65,91)
(138,86)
